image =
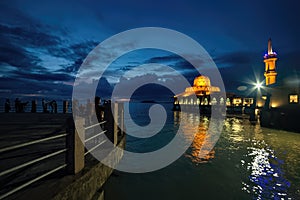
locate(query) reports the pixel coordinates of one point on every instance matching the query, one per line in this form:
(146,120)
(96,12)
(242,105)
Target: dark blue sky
(43,43)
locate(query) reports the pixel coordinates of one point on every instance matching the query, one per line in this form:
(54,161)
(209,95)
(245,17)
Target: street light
(253,114)
(258,85)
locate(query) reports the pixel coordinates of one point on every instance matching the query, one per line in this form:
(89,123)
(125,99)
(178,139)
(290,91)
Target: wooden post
(122,118)
(116,114)
(109,125)
(65,107)
(75,146)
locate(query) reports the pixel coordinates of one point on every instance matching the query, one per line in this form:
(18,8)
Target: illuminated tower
(270,67)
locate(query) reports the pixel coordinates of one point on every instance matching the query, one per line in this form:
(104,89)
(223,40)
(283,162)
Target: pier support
(75,146)
(116,113)
(109,125)
(122,127)
(65,106)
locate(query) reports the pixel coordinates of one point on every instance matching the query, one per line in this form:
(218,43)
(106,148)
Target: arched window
(221,101)
(228,102)
(293,98)
(214,101)
(205,101)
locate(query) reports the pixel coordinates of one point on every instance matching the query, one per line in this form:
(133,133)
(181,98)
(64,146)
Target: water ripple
(267,180)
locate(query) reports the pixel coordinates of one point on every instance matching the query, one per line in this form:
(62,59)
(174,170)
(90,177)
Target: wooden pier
(42,157)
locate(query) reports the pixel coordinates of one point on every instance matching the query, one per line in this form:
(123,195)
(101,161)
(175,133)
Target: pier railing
(95,140)
(72,156)
(15,170)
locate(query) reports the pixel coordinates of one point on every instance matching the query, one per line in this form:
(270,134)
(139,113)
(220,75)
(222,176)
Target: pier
(43,157)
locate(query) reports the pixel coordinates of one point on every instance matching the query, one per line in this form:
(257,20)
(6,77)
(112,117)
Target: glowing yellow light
(274,105)
(293,98)
(256,111)
(237,101)
(259,105)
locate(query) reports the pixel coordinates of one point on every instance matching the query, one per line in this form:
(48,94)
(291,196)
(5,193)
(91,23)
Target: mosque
(276,103)
(204,95)
(199,94)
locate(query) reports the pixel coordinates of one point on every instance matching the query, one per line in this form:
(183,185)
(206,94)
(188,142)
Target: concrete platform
(17,128)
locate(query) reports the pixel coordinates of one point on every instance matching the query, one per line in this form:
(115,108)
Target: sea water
(247,162)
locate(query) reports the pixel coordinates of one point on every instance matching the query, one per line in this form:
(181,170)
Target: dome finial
(270,51)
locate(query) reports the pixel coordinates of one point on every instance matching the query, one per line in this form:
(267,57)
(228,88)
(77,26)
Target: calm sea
(248,162)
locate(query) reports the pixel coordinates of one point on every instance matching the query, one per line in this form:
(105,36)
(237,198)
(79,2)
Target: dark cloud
(22,41)
(73,68)
(161,59)
(176,62)
(156,90)
(235,59)
(75,53)
(48,89)
(12,51)
(82,49)
(44,77)
(17,38)
(127,68)
(18,57)
(29,35)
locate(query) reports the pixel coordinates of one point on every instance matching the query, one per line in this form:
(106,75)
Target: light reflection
(196,147)
(199,126)
(234,127)
(266,176)
(262,171)
(266,179)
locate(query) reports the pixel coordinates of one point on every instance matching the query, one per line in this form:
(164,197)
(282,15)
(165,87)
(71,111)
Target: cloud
(234,59)
(48,89)
(161,59)
(21,38)
(30,35)
(148,85)
(15,55)
(43,77)
(37,57)
(75,53)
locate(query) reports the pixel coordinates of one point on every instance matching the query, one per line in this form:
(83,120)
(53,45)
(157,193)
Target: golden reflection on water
(193,123)
(196,147)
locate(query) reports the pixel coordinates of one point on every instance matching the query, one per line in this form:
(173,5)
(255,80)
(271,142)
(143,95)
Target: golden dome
(201,87)
(201,81)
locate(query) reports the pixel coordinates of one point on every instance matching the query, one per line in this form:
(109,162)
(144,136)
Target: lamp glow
(258,85)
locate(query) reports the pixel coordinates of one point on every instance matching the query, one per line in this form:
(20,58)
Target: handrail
(95,147)
(88,127)
(32,161)
(71,160)
(32,181)
(98,134)
(31,142)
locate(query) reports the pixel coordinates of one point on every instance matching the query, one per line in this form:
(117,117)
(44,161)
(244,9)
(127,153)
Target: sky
(43,43)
